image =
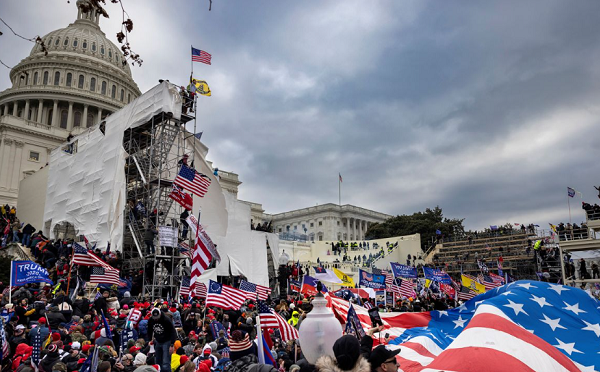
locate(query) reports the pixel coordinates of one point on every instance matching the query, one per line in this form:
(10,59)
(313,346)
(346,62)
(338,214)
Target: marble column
(40,111)
(6,109)
(15,108)
(7,163)
(16,176)
(85,115)
(99,114)
(54,122)
(26,112)
(70,117)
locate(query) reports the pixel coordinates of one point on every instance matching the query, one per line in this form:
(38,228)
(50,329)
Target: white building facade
(81,80)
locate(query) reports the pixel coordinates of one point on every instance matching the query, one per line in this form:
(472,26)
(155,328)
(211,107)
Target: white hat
(76,345)
(140,360)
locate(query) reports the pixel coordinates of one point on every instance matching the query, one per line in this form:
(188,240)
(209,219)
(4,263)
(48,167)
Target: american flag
(224,296)
(192,181)
(184,289)
(294,286)
(5,346)
(83,257)
(523,326)
(254,290)
(288,332)
(267,316)
(200,56)
(184,249)
(404,287)
(201,259)
(489,282)
(104,275)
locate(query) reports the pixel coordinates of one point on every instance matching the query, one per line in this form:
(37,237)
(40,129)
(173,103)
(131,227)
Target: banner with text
(369,280)
(25,272)
(437,275)
(403,271)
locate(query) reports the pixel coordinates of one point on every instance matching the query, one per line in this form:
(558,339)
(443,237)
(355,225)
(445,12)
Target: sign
(167,236)
(403,271)
(369,280)
(448,290)
(380,298)
(437,275)
(194,226)
(25,272)
(389,298)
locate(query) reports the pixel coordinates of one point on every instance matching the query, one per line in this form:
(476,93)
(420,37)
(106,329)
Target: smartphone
(387,335)
(375,317)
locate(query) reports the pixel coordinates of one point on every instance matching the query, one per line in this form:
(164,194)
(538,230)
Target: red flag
(184,199)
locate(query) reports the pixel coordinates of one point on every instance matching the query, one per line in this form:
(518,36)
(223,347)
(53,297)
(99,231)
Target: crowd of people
(592,210)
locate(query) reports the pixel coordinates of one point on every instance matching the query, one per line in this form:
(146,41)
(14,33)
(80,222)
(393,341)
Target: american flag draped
(267,316)
(104,275)
(201,259)
(5,347)
(255,290)
(522,326)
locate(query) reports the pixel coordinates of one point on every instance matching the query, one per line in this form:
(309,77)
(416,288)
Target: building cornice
(341,211)
(51,93)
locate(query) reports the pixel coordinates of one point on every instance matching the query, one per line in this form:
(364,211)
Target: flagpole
(569,204)
(70,269)
(340,189)
(10,284)
(261,350)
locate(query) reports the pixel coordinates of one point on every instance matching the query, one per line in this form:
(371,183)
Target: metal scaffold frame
(154,151)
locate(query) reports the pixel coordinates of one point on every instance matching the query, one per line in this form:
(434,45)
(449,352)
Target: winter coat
(327,363)
(49,361)
(242,364)
(81,306)
(55,318)
(113,303)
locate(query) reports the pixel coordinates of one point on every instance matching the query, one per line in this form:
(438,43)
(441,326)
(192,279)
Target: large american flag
(200,56)
(255,290)
(83,257)
(201,259)
(193,181)
(288,332)
(104,275)
(522,326)
(267,316)
(224,296)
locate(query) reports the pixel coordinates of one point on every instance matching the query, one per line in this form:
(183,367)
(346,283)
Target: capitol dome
(80,80)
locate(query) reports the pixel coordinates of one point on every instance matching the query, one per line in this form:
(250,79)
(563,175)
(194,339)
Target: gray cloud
(489,110)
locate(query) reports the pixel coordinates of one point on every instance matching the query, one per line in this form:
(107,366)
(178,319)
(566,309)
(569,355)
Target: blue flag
(403,271)
(25,272)
(368,280)
(437,275)
(106,326)
(353,325)
(269,359)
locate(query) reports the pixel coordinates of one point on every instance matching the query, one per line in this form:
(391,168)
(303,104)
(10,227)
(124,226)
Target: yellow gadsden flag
(346,280)
(201,87)
(472,284)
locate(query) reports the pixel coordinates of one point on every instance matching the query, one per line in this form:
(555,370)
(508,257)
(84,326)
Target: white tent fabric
(87,188)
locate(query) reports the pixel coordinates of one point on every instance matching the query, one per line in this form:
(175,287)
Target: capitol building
(82,79)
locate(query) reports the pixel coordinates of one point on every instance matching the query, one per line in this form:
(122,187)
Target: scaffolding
(155,150)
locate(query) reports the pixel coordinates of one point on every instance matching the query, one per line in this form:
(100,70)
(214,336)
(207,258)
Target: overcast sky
(487,109)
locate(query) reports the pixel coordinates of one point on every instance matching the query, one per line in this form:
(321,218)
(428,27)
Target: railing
(293,236)
(573,234)
(593,215)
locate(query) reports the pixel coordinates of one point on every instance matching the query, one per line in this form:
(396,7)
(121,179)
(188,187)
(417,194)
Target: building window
(77,119)
(338,223)
(93,47)
(122,95)
(56,78)
(34,156)
(113,92)
(93,84)
(45,81)
(84,45)
(128,97)
(110,54)
(280,229)
(80,82)
(90,120)
(102,49)
(49,119)
(66,43)
(35,76)
(69,78)
(320,223)
(57,41)
(320,237)
(312,224)
(75,43)
(64,115)
(103,90)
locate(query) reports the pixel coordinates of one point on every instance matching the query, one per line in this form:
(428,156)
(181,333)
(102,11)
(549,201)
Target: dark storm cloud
(488,109)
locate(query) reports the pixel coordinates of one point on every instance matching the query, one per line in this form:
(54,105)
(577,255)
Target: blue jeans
(26,239)
(150,247)
(15,236)
(161,354)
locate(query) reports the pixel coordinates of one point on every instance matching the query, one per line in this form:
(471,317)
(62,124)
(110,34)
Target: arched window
(66,42)
(103,90)
(49,118)
(77,119)
(113,92)
(69,79)
(80,82)
(57,42)
(110,54)
(35,76)
(102,49)
(45,81)
(93,47)
(84,45)
(93,84)
(122,95)
(75,43)
(64,115)
(56,78)
(90,120)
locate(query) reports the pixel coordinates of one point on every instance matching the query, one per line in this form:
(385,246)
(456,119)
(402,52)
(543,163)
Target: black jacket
(162,329)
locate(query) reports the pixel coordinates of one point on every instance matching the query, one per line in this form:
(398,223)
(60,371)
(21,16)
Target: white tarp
(87,188)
